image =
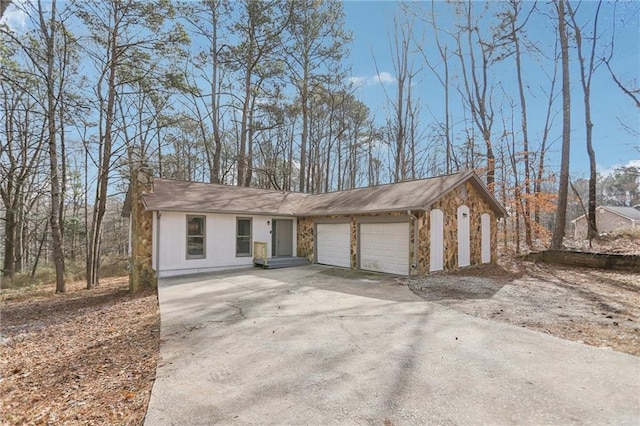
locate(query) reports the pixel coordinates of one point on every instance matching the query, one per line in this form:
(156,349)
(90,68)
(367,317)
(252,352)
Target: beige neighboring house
(608,218)
(406,228)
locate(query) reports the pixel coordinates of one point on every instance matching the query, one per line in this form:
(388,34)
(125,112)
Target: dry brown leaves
(594,306)
(82,357)
(614,243)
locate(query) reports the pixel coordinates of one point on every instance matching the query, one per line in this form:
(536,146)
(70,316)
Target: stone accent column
(141,273)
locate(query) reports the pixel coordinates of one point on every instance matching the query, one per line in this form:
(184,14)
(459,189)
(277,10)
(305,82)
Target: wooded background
(257,93)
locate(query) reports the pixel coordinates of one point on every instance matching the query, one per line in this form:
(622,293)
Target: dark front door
(283,240)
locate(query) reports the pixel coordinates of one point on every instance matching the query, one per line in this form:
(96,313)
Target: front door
(283,237)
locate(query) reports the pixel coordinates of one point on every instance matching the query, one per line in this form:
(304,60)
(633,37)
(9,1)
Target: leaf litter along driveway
(81,357)
(593,306)
(319,345)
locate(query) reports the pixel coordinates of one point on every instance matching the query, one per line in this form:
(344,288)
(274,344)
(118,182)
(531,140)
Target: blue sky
(372,21)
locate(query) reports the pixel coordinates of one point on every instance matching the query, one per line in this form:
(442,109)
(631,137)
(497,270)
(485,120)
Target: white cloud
(608,171)
(380,78)
(14,16)
(385,77)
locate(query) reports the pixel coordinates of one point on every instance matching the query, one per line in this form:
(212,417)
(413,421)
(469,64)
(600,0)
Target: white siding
(384,247)
(333,244)
(220,243)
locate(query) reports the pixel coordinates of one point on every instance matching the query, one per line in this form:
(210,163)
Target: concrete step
(281,262)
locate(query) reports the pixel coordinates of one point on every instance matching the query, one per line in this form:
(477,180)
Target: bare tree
(509,37)
(49,31)
(586,73)
(21,150)
(206,18)
(131,39)
(630,89)
(548,121)
(317,45)
(563,189)
(477,89)
(402,122)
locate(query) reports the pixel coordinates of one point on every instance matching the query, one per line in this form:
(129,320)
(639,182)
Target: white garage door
(384,247)
(333,243)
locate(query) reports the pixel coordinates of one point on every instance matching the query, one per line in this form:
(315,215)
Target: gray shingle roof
(172,195)
(401,196)
(175,195)
(629,212)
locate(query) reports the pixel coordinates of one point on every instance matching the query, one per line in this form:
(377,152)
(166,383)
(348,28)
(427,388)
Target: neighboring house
(608,218)
(405,228)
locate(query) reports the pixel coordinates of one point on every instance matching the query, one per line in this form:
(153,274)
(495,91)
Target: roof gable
(172,195)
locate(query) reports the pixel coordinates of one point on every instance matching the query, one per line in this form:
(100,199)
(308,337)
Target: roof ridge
(226,185)
(379,185)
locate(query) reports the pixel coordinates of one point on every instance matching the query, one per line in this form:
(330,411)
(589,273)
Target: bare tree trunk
(3,6)
(215,98)
(54,218)
(537,188)
(585,78)
(477,93)
(561,213)
(523,121)
(99,209)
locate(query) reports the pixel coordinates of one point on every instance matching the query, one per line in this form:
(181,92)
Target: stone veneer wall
(449,206)
(305,238)
(141,274)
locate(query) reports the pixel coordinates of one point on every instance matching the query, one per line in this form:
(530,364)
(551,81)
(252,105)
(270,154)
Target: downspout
(158,216)
(414,223)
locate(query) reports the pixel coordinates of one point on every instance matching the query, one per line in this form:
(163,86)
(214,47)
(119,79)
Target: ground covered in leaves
(82,357)
(593,306)
(624,241)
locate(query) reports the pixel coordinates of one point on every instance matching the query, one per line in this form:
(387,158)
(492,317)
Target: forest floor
(593,306)
(81,357)
(626,241)
(89,357)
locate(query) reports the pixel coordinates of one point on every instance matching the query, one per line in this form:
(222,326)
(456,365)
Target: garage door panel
(334,244)
(384,247)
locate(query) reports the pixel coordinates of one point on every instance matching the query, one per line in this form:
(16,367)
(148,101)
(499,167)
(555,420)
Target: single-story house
(608,218)
(405,228)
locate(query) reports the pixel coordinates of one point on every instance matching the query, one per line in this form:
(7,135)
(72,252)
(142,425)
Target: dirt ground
(82,357)
(89,357)
(593,306)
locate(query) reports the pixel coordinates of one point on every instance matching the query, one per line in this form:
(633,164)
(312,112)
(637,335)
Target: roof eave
(493,202)
(622,215)
(359,212)
(218,211)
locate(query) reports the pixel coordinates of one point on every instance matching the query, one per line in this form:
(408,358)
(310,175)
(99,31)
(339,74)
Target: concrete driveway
(318,345)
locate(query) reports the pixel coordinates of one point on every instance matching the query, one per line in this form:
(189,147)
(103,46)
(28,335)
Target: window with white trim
(196,237)
(243,236)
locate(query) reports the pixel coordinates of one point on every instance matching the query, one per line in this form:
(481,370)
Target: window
(196,237)
(243,236)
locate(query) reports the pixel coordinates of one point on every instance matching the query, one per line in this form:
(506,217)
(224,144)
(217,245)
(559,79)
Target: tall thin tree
(563,187)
